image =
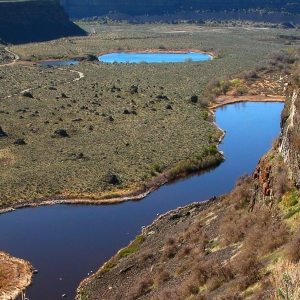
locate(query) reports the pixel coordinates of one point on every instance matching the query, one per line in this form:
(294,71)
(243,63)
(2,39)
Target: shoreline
(160,51)
(134,195)
(22,272)
(144,189)
(166,50)
(226,99)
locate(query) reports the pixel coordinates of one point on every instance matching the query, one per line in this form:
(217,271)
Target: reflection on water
(66,242)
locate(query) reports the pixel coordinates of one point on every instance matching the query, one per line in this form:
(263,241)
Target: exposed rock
(16,276)
(91,57)
(19,142)
(194,99)
(134,89)
(60,133)
(2,133)
(112,179)
(162,97)
(33,21)
(289,141)
(27,94)
(80,155)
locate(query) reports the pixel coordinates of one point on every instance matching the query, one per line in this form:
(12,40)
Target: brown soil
(15,276)
(126,275)
(228,99)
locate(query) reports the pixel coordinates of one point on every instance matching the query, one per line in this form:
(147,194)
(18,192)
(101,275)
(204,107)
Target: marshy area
(100,130)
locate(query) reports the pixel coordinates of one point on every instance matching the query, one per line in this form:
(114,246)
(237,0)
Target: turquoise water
(59,63)
(66,242)
(131,57)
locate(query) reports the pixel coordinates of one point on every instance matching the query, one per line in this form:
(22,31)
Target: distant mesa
(35,21)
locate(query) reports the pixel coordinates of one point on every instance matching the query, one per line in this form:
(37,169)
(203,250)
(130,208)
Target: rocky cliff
(33,21)
(88,8)
(289,143)
(280,167)
(236,246)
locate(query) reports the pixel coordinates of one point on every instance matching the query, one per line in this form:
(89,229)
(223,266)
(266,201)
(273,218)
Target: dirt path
(80,76)
(16,57)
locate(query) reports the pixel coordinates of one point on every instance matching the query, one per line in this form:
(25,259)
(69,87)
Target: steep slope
(290,123)
(34,21)
(243,245)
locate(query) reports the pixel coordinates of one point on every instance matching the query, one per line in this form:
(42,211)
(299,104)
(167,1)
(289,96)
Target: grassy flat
(130,120)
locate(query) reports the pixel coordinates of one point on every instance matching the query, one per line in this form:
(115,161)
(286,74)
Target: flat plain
(100,130)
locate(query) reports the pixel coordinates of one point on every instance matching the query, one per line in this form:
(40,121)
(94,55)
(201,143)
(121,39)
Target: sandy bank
(226,99)
(16,276)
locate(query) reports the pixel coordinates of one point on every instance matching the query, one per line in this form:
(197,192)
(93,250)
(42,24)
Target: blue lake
(66,242)
(59,63)
(130,57)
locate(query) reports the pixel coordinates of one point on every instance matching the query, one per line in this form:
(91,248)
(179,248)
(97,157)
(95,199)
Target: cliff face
(280,167)
(218,249)
(289,142)
(88,8)
(33,21)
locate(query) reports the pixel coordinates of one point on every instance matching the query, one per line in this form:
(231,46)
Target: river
(66,242)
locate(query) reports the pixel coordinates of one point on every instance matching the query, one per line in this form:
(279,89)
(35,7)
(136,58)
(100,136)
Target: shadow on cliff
(35,21)
(38,32)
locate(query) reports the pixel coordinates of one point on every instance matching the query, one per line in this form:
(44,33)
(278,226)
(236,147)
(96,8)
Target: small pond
(59,62)
(136,57)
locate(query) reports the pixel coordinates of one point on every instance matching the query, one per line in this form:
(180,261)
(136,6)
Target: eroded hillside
(242,245)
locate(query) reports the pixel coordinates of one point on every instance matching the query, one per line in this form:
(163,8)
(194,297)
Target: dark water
(66,242)
(59,63)
(129,57)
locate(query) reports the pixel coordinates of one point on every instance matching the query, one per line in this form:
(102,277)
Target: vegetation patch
(72,118)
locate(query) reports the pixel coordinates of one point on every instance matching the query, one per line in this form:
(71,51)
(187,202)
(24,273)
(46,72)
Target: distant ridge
(35,21)
(89,8)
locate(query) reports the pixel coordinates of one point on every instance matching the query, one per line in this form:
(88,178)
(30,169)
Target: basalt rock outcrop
(280,167)
(289,141)
(35,21)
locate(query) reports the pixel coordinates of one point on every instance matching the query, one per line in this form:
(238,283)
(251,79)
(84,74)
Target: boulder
(112,179)
(194,99)
(19,142)
(60,133)
(2,133)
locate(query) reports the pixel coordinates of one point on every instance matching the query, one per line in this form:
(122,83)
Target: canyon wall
(89,8)
(33,21)
(289,141)
(280,167)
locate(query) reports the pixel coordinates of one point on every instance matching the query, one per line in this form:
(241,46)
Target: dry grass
(15,276)
(103,140)
(285,281)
